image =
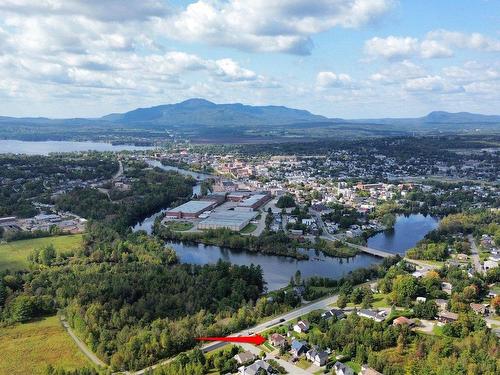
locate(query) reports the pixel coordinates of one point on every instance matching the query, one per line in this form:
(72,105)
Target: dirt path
(81,345)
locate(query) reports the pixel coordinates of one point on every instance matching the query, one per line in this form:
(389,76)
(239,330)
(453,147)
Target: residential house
(339,314)
(446,287)
(302,326)
(365,370)
(421,299)
(488,264)
(447,317)
(318,358)
(340,369)
(258,367)
(244,357)
(378,316)
(277,340)
(298,348)
(479,308)
(442,304)
(403,321)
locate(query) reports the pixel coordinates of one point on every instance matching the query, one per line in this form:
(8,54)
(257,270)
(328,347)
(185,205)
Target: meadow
(29,348)
(14,255)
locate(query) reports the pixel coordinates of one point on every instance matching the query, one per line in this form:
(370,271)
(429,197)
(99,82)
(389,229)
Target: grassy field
(29,348)
(248,229)
(180,226)
(14,255)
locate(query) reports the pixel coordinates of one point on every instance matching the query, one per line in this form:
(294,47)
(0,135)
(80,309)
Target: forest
(131,301)
(151,190)
(451,231)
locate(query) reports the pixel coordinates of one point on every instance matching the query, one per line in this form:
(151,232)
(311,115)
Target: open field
(248,229)
(28,348)
(14,255)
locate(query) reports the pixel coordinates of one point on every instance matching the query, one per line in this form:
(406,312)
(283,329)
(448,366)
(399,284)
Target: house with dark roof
(302,326)
(341,369)
(298,348)
(318,358)
(339,314)
(258,367)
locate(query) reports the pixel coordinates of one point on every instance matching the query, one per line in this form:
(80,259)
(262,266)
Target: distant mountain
(459,118)
(204,112)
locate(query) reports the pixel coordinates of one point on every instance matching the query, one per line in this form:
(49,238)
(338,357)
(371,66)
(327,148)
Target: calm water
(408,230)
(196,175)
(277,269)
(46,147)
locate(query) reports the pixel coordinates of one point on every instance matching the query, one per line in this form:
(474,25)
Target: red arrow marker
(256,340)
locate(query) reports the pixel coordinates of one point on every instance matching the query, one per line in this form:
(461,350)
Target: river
(46,147)
(277,270)
(408,230)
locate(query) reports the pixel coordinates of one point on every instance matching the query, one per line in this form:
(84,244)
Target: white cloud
(391,47)
(436,44)
(475,41)
(331,79)
(268,26)
(103,10)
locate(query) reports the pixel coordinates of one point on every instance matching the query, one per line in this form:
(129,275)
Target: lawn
(180,226)
(28,348)
(248,229)
(14,255)
(354,365)
(303,363)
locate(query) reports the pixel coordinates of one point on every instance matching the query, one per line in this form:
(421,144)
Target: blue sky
(340,58)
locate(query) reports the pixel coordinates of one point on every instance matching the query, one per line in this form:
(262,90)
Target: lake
(46,147)
(408,230)
(277,270)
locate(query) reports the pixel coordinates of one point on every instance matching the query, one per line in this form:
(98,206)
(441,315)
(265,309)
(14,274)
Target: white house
(302,326)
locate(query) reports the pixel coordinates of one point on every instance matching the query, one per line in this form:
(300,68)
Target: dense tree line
(267,243)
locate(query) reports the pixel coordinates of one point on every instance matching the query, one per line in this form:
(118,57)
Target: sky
(338,58)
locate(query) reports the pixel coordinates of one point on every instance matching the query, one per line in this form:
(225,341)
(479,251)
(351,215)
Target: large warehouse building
(191,209)
(234,220)
(254,202)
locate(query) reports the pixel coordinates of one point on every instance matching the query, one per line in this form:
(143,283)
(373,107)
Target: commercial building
(191,209)
(233,220)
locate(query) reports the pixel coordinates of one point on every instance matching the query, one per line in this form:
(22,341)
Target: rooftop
(193,206)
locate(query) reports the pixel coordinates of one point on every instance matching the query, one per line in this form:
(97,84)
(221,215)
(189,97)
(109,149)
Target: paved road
(475,254)
(331,237)
(81,345)
(321,304)
(120,171)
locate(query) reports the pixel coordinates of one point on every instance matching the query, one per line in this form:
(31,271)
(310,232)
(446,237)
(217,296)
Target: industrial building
(254,202)
(191,209)
(233,220)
